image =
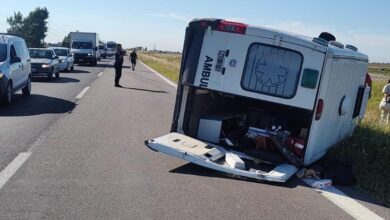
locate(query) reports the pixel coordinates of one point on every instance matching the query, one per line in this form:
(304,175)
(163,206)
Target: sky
(161,24)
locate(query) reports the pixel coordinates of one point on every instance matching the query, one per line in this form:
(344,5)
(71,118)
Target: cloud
(179,17)
(301,28)
(374,43)
(171,15)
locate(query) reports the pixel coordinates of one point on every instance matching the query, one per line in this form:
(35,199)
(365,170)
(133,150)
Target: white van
(261,103)
(15,67)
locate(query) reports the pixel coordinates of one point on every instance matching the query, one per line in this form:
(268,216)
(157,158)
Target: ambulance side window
(272,70)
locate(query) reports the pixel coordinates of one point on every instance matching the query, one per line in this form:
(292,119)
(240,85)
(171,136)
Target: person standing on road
(385,104)
(133,59)
(119,53)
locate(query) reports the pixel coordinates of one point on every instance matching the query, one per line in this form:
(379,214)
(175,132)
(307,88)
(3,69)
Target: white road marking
(11,169)
(346,203)
(82,92)
(160,75)
(100,74)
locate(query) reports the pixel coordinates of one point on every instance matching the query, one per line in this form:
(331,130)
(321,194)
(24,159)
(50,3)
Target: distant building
(136,48)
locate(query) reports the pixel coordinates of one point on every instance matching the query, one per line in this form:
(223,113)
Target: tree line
(32,28)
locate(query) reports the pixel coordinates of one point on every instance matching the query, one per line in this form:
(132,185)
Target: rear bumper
(41,72)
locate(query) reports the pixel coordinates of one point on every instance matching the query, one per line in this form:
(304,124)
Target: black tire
(50,76)
(7,97)
(27,89)
(72,68)
(57,74)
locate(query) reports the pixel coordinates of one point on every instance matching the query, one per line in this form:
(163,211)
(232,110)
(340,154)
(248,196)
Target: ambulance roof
(335,48)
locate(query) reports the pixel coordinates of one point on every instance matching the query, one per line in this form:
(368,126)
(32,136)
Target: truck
(277,101)
(111,47)
(84,47)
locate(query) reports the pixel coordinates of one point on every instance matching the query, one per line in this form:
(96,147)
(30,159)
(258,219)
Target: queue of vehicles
(19,64)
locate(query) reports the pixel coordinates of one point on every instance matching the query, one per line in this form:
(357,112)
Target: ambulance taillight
(231,27)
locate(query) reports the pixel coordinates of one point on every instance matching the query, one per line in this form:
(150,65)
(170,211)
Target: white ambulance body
(316,87)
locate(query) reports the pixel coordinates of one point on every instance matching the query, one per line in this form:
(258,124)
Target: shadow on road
(145,90)
(55,80)
(36,105)
(105,65)
(77,71)
(147,79)
(193,169)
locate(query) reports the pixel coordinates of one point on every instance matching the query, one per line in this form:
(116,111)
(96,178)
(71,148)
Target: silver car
(66,60)
(44,62)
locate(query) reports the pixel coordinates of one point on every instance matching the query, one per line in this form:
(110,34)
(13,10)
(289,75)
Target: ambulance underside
(223,114)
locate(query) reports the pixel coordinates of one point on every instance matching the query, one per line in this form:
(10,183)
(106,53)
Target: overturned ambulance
(261,103)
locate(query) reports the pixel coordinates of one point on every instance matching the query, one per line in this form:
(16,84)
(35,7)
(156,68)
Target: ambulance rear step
(212,157)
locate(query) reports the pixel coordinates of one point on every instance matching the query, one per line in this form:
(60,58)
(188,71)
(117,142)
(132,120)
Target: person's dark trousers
(118,74)
(133,63)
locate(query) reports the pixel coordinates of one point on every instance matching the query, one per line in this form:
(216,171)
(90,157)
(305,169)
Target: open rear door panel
(212,156)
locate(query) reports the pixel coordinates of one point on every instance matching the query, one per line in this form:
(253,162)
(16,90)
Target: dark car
(103,51)
(44,62)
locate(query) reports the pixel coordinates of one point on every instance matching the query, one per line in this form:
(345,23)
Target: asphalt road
(88,160)
(22,123)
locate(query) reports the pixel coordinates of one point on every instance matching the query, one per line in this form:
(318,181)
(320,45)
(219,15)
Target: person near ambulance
(385,104)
